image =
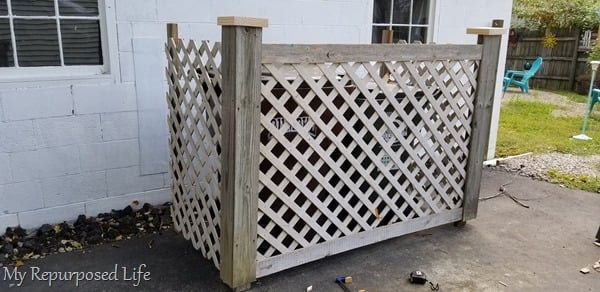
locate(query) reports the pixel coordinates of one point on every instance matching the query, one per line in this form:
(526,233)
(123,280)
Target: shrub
(594,54)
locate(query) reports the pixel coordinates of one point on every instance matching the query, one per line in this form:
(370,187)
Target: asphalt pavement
(509,247)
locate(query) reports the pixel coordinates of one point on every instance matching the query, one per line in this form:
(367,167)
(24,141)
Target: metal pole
(583,136)
(589,100)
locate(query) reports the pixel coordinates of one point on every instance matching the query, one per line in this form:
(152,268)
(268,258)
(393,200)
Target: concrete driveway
(507,248)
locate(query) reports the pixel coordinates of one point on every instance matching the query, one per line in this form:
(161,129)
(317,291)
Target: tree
(553,14)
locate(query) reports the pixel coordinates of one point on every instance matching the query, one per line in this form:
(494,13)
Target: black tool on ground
(418,277)
(342,280)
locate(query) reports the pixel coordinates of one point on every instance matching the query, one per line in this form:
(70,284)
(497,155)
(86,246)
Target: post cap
(486,30)
(242,21)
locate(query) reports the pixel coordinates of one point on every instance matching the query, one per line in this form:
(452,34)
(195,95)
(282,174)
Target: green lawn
(527,126)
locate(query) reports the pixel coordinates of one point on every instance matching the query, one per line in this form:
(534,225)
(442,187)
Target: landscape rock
(536,166)
(44,229)
(7,248)
(17,245)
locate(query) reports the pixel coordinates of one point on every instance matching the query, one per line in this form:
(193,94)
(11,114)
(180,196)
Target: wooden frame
(317,153)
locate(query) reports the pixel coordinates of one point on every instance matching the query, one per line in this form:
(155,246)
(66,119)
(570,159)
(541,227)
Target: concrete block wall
(88,144)
(70,150)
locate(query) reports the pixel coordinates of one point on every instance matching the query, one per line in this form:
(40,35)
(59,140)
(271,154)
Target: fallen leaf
(28,256)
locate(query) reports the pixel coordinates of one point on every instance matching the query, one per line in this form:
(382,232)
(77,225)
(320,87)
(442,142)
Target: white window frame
(409,25)
(106,17)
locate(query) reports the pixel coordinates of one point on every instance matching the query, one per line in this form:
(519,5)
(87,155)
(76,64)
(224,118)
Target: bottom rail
(298,257)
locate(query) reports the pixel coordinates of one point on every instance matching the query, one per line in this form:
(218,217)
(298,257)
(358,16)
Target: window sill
(42,80)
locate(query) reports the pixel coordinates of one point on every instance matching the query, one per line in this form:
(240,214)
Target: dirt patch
(566,108)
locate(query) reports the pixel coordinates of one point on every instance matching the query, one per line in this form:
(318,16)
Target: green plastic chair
(595,99)
(521,78)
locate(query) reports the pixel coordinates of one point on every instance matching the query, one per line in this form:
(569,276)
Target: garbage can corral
(285,154)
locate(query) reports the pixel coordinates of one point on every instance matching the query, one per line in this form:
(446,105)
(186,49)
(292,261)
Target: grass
(580,182)
(528,126)
(572,96)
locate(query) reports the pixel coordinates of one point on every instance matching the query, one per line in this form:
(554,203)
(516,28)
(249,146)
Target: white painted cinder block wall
(450,25)
(79,144)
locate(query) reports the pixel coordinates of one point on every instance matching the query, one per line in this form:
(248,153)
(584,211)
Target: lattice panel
(350,147)
(194,98)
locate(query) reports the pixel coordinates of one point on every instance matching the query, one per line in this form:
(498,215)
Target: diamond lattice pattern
(349,147)
(345,147)
(194,97)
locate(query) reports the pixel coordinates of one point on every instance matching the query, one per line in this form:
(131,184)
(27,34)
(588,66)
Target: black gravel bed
(18,245)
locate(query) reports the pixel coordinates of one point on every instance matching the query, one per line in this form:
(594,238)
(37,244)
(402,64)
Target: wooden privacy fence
(284,154)
(564,64)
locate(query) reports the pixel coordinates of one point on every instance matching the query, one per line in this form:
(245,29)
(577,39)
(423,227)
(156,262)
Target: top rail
(283,53)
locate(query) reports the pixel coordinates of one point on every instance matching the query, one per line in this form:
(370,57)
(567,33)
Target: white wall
(292,21)
(82,144)
(450,25)
(79,144)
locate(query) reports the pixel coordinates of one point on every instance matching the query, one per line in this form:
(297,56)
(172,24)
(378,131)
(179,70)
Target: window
(408,19)
(56,33)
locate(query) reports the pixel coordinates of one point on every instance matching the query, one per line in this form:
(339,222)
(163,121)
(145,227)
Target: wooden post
(172,31)
(241,69)
(482,115)
(387,36)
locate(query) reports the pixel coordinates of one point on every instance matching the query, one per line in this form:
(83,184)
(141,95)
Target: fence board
(279,53)
(299,257)
(563,65)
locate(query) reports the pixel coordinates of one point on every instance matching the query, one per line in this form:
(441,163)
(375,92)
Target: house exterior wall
(77,144)
(452,19)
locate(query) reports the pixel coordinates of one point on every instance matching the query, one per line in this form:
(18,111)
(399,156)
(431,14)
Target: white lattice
(194,98)
(345,147)
(350,147)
